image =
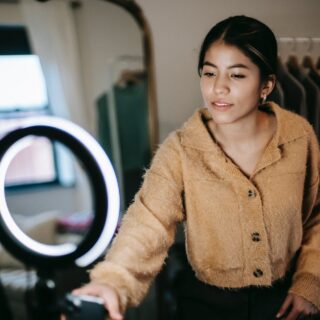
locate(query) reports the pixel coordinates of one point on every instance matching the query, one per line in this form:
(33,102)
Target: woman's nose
(220,85)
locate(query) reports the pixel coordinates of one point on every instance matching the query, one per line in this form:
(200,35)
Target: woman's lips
(221,105)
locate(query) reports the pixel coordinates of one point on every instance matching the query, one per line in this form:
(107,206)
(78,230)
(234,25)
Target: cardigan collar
(194,134)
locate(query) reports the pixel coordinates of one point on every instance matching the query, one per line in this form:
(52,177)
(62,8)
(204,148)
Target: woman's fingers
(112,305)
(293,315)
(298,306)
(107,294)
(286,304)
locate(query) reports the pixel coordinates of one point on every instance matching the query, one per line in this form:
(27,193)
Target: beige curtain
(53,37)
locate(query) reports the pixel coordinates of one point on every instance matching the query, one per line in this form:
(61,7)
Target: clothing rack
(303,40)
(298,74)
(299,46)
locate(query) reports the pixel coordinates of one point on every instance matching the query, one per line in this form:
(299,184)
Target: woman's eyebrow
(238,65)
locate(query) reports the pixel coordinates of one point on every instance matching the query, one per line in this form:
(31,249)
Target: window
(22,83)
(23,94)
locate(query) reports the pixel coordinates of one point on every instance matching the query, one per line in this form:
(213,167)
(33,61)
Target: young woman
(243,176)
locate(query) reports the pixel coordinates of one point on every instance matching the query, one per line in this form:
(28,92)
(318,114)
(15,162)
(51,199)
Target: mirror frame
(148,58)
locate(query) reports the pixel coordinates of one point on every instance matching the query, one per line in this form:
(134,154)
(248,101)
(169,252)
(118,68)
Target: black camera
(84,308)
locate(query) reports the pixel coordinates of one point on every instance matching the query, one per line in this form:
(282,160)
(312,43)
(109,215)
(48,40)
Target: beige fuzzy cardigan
(239,231)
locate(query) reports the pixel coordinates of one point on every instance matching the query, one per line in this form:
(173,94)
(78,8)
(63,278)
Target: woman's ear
(268,85)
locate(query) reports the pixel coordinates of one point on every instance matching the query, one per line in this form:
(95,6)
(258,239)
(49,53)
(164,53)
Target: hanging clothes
(312,92)
(315,76)
(311,70)
(294,93)
(131,110)
(277,95)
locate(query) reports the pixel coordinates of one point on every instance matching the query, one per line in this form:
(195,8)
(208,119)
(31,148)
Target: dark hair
(252,37)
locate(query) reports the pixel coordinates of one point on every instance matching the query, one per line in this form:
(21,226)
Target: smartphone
(82,307)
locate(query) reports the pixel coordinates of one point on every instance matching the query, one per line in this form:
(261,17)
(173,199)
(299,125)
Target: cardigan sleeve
(306,280)
(147,230)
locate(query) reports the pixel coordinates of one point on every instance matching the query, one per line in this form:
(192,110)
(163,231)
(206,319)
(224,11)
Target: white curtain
(53,36)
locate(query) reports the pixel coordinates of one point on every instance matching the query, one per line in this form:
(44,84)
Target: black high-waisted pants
(199,301)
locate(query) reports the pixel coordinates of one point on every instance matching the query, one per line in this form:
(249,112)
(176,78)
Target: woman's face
(230,84)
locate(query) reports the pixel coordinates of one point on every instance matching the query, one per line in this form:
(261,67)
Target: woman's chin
(221,117)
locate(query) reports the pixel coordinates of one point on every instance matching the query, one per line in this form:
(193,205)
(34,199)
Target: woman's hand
(300,307)
(105,292)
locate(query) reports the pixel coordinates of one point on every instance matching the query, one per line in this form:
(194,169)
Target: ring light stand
(45,258)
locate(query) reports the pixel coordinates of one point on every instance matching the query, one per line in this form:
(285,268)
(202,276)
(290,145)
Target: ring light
(105,195)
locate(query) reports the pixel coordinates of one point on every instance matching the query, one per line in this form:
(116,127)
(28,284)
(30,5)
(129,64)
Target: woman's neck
(243,132)
(245,141)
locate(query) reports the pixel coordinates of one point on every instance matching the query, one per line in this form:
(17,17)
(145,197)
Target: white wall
(178,27)
(10,14)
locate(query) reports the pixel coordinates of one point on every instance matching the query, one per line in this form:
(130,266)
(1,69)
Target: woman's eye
(238,76)
(208,74)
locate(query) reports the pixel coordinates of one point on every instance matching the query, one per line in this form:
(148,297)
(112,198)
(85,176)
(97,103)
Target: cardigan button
(258,273)
(252,193)
(255,236)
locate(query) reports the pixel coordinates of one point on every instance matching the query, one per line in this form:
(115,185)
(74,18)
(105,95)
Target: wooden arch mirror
(79,90)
